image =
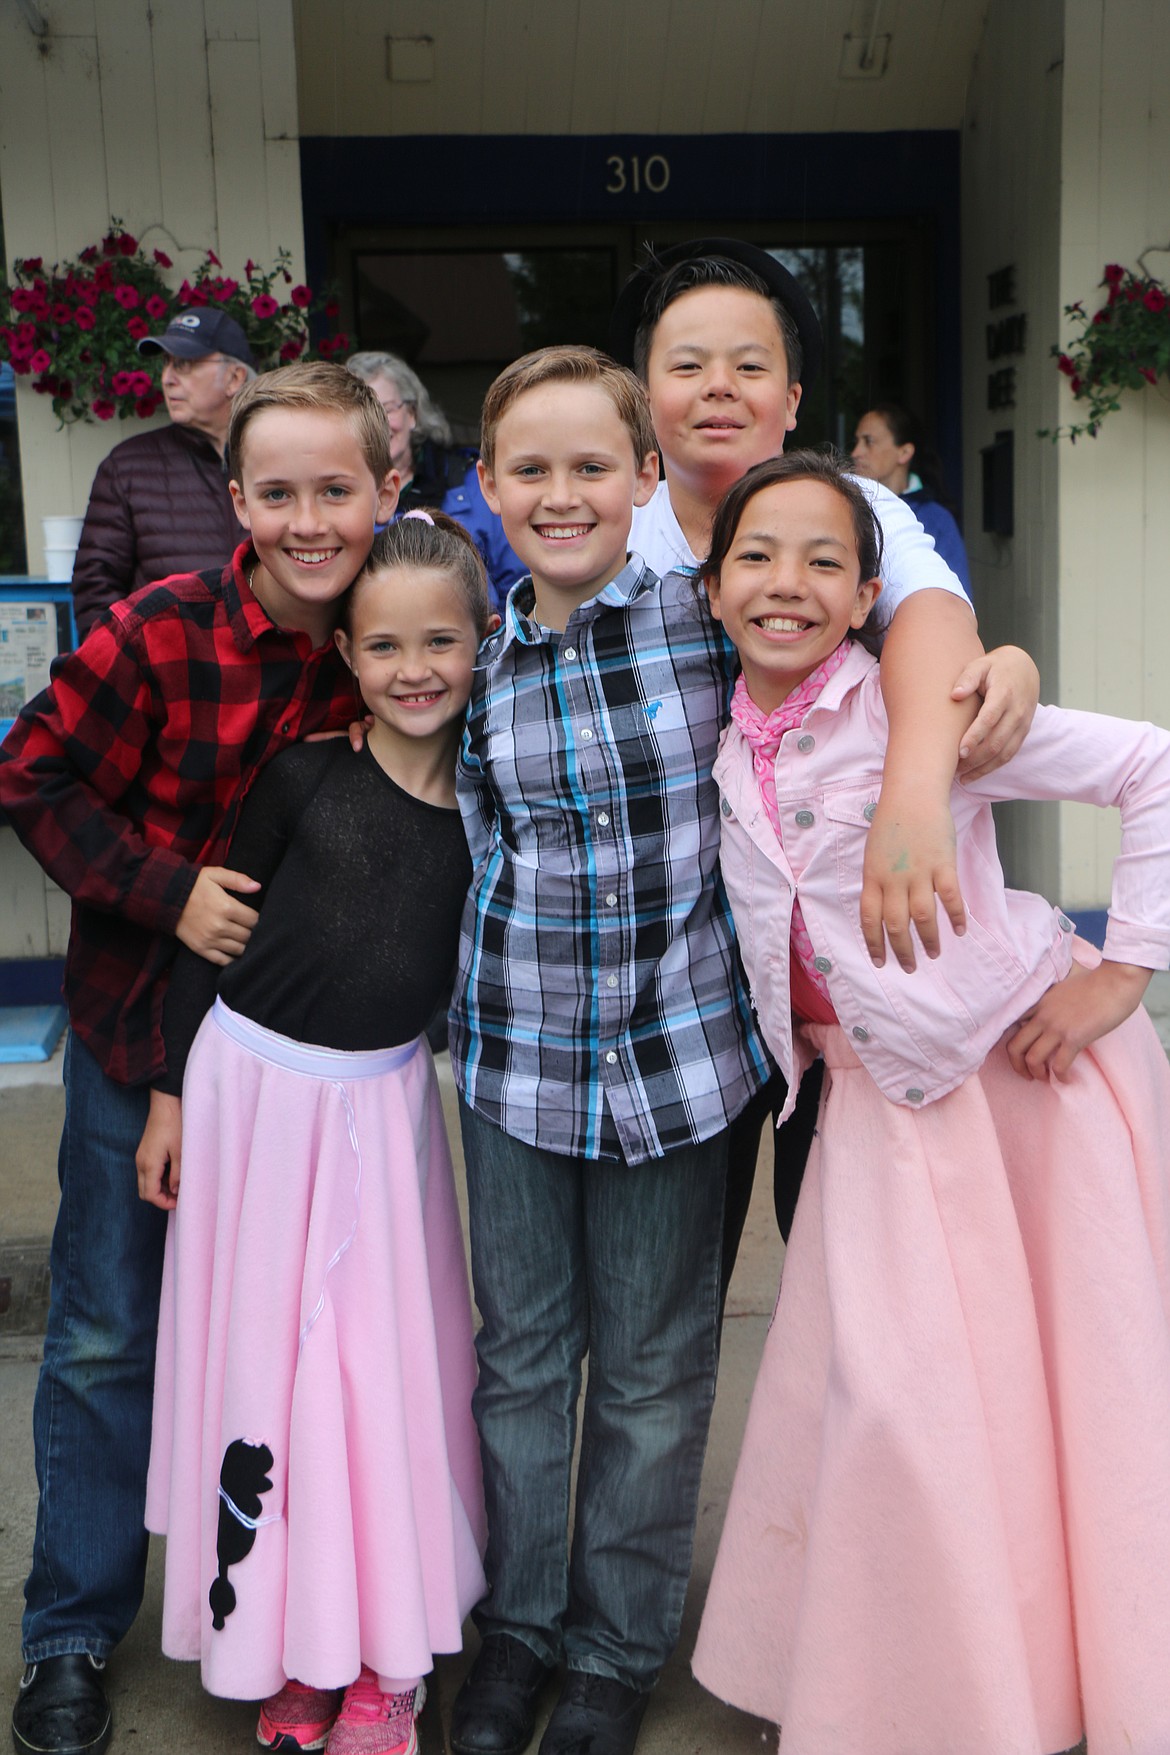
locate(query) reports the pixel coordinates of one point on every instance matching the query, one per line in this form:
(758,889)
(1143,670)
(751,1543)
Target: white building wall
(181,121)
(1011,174)
(1065,143)
(1114,491)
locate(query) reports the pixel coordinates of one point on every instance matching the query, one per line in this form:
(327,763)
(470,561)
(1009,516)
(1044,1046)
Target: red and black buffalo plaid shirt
(127,773)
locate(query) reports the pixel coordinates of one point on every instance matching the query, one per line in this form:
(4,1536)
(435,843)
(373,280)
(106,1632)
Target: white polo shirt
(909,560)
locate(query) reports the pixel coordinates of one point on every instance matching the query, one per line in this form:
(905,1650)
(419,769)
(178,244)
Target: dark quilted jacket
(159,505)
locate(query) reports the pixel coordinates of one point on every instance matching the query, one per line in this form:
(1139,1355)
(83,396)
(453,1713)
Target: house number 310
(634,174)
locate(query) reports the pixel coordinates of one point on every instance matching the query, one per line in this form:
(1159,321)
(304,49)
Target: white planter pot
(62,536)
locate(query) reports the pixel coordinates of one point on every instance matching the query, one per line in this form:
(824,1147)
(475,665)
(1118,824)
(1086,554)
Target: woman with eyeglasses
(436,473)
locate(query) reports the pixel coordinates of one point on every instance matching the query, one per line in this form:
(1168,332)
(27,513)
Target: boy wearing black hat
(160,503)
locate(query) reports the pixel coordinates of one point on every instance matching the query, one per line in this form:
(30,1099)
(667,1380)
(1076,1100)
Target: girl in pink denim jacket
(949,1531)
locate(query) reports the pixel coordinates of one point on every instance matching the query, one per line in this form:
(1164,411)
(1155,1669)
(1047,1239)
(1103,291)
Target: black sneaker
(62,1707)
(495,1709)
(594,1716)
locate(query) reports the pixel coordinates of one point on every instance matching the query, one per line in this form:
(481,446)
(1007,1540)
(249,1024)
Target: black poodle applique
(242,1478)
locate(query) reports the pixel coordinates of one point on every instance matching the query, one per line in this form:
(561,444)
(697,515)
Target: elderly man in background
(160,502)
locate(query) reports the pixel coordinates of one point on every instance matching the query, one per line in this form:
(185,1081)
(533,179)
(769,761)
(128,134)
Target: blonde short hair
(314,384)
(569,365)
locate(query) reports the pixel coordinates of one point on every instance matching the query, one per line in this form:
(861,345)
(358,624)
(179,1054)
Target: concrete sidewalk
(161,1704)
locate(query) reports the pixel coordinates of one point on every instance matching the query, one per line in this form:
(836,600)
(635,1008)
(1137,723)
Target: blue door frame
(713,180)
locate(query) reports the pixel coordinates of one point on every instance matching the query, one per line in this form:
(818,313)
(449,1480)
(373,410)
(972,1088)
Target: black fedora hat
(631,301)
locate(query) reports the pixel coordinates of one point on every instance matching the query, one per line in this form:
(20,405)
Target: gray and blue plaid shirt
(600,1009)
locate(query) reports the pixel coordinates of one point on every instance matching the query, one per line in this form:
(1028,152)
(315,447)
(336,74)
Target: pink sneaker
(373,1723)
(298,1717)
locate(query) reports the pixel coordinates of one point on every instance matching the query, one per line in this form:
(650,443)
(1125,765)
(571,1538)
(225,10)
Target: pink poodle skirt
(315,1466)
(949,1532)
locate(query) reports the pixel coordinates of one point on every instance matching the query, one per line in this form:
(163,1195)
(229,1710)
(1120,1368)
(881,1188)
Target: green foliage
(1123,346)
(73,329)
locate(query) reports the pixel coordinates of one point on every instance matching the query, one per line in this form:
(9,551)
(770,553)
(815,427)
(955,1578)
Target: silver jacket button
(805,819)
(725,808)
(870,811)
(822,965)
(914,1095)
(805,744)
(860,1033)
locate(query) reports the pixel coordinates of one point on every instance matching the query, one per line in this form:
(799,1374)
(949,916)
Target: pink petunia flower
(163,259)
(121,383)
(127,297)
(138,327)
(41,360)
(101,409)
(301,296)
(1155,299)
(264,305)
(156,306)
(84,317)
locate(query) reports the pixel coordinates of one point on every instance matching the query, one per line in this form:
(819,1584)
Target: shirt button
(286,727)
(870,811)
(822,965)
(860,1033)
(610,1058)
(914,1095)
(611,981)
(569,652)
(1066,924)
(805,819)
(725,808)
(586,734)
(805,744)
(603,818)
(611,900)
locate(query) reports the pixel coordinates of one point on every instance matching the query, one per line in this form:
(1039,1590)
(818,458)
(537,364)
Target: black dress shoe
(495,1710)
(594,1716)
(62,1708)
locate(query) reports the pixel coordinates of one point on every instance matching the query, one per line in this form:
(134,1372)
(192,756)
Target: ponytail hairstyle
(428,540)
(826,466)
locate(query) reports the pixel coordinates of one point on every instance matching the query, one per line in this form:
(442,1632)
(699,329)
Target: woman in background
(436,473)
(890,446)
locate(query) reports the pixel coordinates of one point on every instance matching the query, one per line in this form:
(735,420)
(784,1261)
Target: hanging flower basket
(1124,345)
(73,329)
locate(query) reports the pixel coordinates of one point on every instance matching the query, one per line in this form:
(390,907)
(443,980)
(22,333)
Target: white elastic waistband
(305,1057)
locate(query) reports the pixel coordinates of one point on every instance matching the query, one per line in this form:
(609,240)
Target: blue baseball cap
(195,333)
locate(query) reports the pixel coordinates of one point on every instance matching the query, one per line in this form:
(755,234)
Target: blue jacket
(445,479)
(938,523)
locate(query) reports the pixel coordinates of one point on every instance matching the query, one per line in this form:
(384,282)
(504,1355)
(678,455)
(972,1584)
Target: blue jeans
(91,1417)
(621,1261)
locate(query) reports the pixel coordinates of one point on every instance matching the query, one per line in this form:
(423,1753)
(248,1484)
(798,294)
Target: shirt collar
(247,616)
(631,583)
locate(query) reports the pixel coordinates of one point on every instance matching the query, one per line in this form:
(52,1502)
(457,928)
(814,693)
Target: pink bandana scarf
(764,732)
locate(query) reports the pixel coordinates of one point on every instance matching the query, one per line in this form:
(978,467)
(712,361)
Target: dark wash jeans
(91,1417)
(619,1261)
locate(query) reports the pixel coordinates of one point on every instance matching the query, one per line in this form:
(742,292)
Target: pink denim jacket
(920,1035)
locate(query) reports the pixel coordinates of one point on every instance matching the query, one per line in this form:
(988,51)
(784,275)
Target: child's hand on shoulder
(215,923)
(1087,1004)
(1009,682)
(158,1159)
